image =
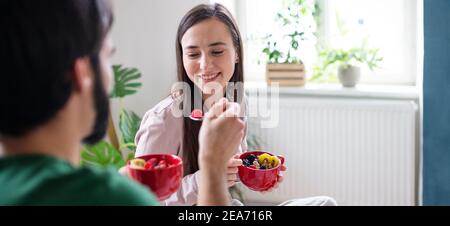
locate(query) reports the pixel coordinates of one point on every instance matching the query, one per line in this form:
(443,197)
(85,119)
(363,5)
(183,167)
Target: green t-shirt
(45,180)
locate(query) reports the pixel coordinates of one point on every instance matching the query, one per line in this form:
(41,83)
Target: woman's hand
(232,170)
(124,171)
(279,180)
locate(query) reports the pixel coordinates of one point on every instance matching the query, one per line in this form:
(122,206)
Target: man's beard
(101,106)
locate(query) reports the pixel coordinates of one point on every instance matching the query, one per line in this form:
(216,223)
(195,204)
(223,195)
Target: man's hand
(220,135)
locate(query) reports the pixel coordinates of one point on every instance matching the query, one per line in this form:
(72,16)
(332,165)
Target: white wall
(144,33)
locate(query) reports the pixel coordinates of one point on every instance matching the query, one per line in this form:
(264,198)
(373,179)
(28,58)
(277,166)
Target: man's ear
(82,74)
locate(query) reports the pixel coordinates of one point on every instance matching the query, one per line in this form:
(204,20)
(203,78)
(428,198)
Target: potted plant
(349,62)
(282,47)
(113,150)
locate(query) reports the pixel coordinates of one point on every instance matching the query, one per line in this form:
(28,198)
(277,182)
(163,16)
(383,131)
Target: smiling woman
(208,52)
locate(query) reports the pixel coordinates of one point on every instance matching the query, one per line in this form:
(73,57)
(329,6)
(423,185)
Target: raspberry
(153,161)
(196,113)
(148,166)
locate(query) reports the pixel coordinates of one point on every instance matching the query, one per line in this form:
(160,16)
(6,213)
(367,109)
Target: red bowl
(256,179)
(162,182)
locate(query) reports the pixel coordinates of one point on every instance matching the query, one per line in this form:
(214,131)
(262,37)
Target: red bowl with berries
(260,169)
(162,173)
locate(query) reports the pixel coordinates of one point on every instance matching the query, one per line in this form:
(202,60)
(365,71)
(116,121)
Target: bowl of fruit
(260,169)
(162,173)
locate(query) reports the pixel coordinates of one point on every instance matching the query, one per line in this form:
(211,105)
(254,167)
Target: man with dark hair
(55,81)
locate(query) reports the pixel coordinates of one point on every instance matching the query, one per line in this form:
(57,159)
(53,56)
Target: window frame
(413,22)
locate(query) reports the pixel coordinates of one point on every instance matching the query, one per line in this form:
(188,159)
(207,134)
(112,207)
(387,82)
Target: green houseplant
(111,151)
(349,61)
(281,50)
(346,62)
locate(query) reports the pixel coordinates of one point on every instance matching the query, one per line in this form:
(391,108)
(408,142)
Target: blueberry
(246,162)
(251,158)
(262,167)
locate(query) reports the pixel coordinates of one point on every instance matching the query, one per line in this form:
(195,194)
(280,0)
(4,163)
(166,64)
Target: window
(390,25)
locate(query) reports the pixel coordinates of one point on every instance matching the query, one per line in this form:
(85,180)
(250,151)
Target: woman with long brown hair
(209,51)
(209,57)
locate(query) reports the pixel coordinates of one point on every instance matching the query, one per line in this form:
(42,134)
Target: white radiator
(358,151)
